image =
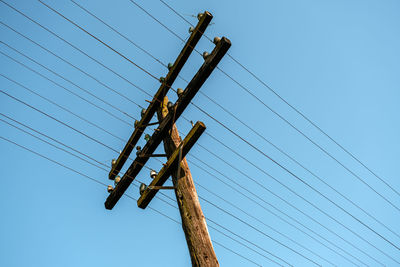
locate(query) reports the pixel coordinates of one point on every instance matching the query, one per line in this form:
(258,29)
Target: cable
(69,147)
(61,107)
(285,201)
(103,184)
(73,46)
(263,207)
(302,181)
(231,114)
(79,87)
(66,89)
(69,63)
(355,175)
(104,169)
(96,38)
(290,105)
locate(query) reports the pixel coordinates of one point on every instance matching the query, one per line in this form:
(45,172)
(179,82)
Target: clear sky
(338,62)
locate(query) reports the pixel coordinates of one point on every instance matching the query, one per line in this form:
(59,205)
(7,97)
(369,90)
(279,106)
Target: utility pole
(193,221)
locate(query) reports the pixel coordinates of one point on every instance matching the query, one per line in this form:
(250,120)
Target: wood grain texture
(193,222)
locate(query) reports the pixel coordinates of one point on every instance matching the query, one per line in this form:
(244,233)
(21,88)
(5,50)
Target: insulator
(199,16)
(162,79)
(117,180)
(170,105)
(147,137)
(153,174)
(170,65)
(191,29)
(142,188)
(110,188)
(205,55)
(143,112)
(113,161)
(179,92)
(216,40)
(139,150)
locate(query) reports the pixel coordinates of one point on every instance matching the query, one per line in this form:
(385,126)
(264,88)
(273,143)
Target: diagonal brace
(171,165)
(191,89)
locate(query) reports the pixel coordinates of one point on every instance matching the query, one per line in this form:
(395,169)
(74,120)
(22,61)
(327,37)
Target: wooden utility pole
(193,222)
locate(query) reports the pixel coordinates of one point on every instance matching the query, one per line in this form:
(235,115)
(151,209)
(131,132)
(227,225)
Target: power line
(63,124)
(285,201)
(106,170)
(66,89)
(79,87)
(103,184)
(99,40)
(291,106)
(304,182)
(234,116)
(269,204)
(69,63)
(286,121)
(388,241)
(61,107)
(73,46)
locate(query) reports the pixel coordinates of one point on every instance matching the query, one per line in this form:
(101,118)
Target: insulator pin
(216,40)
(153,174)
(179,92)
(142,188)
(110,188)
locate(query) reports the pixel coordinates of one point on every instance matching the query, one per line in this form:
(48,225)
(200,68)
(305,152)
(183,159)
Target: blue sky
(336,61)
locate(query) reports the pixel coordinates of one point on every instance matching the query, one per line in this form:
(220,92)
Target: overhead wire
(359,178)
(61,107)
(67,62)
(233,115)
(39,95)
(287,122)
(292,107)
(104,169)
(127,195)
(75,130)
(76,85)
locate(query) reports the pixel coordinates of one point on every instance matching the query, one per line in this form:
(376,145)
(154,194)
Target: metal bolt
(110,188)
(139,150)
(179,92)
(142,188)
(205,55)
(136,123)
(199,16)
(143,112)
(216,40)
(170,105)
(117,180)
(113,161)
(170,65)
(191,29)
(153,174)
